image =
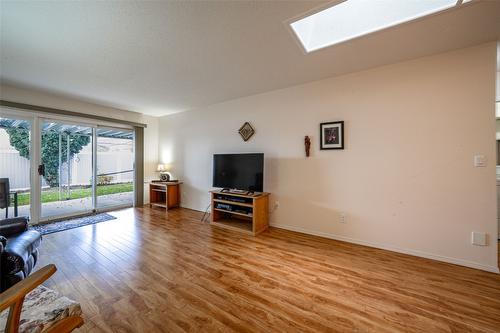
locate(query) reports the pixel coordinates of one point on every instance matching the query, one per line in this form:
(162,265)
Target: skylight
(354,18)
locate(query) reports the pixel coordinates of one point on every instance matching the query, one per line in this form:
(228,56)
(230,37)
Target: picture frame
(331,135)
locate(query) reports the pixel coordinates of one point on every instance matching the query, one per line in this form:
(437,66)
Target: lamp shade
(161,167)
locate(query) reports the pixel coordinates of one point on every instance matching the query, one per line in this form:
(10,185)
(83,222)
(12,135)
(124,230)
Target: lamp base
(164,177)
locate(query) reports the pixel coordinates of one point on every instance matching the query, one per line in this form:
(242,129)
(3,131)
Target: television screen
(239,171)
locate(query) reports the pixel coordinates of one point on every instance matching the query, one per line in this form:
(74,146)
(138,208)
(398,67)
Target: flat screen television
(239,172)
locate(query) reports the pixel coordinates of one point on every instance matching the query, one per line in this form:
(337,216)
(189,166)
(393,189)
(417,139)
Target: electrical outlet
(276,204)
(480,161)
(343,218)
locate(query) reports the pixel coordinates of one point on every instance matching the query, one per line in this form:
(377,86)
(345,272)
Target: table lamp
(164,175)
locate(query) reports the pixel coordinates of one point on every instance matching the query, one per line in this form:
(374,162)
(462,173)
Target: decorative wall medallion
(246,131)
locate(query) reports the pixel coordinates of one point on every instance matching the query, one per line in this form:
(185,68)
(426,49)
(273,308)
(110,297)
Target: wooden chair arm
(19,290)
(14,296)
(66,325)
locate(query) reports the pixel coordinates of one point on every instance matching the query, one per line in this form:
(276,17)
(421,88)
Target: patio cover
(69,129)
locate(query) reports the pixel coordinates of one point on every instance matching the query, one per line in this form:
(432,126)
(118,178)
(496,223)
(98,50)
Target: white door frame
(34,194)
(41,120)
(96,158)
(36,120)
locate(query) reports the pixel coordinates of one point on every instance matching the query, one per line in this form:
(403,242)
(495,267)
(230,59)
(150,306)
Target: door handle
(41,170)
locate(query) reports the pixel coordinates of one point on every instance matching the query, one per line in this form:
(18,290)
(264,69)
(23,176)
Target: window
(354,18)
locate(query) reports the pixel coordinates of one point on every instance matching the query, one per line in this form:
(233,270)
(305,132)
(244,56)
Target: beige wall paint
(406,179)
(35,97)
(498,86)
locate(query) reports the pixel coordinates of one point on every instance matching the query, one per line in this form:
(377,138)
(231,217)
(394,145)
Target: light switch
(479,161)
(479,238)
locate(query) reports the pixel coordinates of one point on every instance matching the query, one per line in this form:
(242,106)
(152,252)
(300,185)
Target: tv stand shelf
(247,213)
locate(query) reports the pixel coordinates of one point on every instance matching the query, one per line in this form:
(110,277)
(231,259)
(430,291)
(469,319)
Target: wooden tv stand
(241,212)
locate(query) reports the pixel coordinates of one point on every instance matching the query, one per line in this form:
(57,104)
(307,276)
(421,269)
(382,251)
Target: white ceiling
(164,57)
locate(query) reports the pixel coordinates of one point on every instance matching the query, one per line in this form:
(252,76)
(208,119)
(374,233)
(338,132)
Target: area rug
(50,228)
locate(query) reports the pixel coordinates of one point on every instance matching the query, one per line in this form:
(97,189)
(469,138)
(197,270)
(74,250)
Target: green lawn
(51,195)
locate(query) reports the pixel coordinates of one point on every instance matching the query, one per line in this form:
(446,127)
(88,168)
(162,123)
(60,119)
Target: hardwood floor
(153,271)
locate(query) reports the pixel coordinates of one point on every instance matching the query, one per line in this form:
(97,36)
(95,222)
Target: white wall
(497,98)
(30,96)
(406,178)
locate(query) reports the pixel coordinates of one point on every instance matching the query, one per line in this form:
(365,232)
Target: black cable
(205,213)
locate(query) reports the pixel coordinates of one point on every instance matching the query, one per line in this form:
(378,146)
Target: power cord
(206,214)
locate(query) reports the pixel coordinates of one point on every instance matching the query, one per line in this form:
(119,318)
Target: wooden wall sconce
(307,144)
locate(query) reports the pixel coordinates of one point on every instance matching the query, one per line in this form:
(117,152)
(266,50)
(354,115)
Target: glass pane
(66,154)
(15,138)
(115,167)
(353,18)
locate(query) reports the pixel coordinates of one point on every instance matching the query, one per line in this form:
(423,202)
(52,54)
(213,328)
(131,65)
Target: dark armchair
(5,199)
(20,250)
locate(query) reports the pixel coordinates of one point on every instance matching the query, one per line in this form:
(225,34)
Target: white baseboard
(417,253)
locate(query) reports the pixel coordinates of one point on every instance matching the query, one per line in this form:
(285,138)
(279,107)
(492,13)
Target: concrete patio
(74,206)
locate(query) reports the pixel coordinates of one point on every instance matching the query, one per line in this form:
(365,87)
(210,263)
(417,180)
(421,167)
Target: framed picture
(332,135)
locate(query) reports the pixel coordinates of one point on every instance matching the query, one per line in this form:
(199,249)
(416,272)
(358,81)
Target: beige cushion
(42,308)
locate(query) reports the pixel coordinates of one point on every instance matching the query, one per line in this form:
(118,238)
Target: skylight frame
(459,4)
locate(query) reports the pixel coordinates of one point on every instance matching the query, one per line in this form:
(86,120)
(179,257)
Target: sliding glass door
(55,168)
(65,169)
(115,167)
(15,166)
